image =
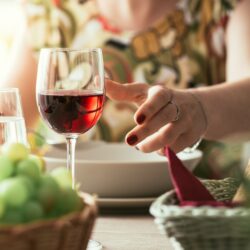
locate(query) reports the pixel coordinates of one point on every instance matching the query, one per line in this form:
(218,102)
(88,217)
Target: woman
(179,44)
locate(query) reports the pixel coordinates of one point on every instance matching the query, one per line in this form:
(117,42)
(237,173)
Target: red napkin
(189,190)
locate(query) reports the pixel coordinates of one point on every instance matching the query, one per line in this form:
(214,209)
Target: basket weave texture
(70,232)
(205,227)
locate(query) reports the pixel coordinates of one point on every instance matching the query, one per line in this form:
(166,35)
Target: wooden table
(129,232)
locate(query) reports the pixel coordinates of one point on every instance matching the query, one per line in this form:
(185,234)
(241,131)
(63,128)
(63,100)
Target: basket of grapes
(40,210)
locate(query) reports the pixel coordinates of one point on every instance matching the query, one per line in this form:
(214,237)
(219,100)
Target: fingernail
(132,139)
(141,119)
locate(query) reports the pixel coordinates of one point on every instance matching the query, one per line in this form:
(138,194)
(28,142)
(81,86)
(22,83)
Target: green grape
(13,192)
(16,151)
(62,176)
(28,168)
(53,214)
(39,162)
(69,201)
(29,185)
(32,210)
(6,167)
(12,216)
(2,208)
(48,192)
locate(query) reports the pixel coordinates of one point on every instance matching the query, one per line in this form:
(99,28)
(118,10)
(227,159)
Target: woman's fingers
(179,124)
(167,135)
(157,98)
(159,120)
(181,143)
(129,92)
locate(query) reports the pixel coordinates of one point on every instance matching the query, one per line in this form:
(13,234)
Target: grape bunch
(27,193)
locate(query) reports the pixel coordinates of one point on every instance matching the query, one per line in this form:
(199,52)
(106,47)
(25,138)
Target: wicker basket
(70,232)
(204,228)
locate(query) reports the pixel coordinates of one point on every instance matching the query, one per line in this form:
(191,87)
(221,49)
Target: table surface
(129,232)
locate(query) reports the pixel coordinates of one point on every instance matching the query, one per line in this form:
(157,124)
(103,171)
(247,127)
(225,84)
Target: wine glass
(12,125)
(70,95)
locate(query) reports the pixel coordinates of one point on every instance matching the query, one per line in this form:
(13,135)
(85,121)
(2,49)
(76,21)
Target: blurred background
(10,16)
(127,59)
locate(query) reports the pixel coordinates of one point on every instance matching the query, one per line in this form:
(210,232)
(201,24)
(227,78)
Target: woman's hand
(164,117)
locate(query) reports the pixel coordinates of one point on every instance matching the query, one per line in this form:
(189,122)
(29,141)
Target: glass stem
(71,145)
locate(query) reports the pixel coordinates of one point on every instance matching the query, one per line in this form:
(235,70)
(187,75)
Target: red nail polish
(141,119)
(132,139)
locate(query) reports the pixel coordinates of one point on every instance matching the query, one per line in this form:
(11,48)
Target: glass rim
(11,89)
(59,49)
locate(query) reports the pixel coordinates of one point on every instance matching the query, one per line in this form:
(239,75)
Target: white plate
(125,203)
(115,170)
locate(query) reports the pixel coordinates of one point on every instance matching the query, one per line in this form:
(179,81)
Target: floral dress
(185,49)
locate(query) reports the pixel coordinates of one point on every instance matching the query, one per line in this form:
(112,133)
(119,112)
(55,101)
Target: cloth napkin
(189,189)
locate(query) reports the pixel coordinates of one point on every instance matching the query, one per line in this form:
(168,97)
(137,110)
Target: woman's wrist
(198,99)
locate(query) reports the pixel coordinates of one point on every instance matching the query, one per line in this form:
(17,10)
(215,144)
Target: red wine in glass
(70,90)
(71,112)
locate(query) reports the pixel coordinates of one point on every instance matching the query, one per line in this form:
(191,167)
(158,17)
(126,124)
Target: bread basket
(204,227)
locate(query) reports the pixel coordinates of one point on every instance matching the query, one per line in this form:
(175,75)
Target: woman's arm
(227,110)
(238,42)
(21,73)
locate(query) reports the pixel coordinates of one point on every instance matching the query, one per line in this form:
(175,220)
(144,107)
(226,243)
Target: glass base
(94,245)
